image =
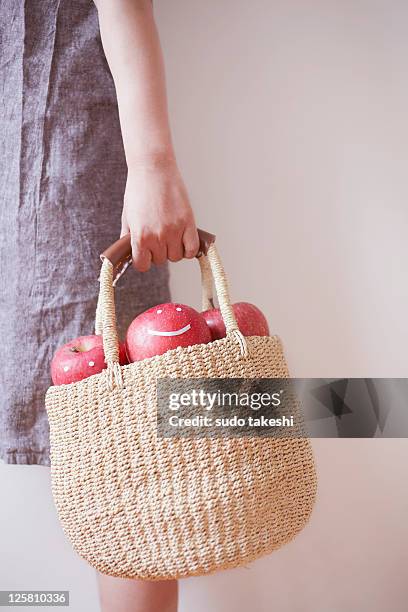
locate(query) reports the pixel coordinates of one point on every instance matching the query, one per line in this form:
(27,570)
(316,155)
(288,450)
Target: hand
(158,215)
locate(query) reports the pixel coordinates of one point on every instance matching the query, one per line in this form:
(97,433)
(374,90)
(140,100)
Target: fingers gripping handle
(120,252)
(114,260)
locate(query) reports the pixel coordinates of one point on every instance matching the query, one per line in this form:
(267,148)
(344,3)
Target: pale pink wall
(290,123)
(290,120)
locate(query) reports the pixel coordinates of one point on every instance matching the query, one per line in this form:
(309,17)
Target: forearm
(156,211)
(132,48)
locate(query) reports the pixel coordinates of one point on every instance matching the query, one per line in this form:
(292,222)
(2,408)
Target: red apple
(81,358)
(250,321)
(165,327)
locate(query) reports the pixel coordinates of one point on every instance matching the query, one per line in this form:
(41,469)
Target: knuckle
(189,252)
(141,266)
(174,257)
(166,233)
(136,243)
(159,260)
(140,260)
(191,244)
(141,241)
(144,238)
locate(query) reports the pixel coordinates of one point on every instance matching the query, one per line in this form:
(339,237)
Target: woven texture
(135,505)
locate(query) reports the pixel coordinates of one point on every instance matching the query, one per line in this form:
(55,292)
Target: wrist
(151,159)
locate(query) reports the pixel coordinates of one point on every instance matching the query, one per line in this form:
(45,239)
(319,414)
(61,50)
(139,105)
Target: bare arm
(156,209)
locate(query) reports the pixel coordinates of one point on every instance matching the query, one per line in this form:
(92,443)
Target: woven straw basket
(135,505)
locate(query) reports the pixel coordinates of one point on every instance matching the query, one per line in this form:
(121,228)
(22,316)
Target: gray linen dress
(62,179)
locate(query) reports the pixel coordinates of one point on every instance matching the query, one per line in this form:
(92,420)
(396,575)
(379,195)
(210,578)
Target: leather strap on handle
(120,252)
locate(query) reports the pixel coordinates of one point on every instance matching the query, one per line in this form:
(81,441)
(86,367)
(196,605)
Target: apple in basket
(250,319)
(81,358)
(165,327)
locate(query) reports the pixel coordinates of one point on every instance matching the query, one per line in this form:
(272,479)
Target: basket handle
(120,256)
(120,252)
(115,261)
(207,296)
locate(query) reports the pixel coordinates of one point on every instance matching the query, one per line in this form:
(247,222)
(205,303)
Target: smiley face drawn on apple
(176,332)
(165,327)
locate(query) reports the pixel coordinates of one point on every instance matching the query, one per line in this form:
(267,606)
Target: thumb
(125,229)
